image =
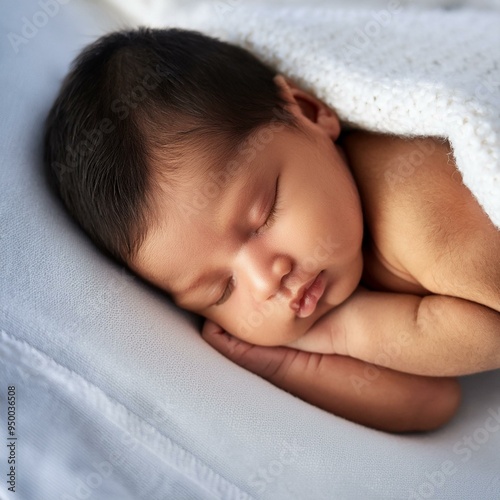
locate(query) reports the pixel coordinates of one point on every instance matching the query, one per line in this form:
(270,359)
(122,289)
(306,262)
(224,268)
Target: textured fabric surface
(106,369)
(91,446)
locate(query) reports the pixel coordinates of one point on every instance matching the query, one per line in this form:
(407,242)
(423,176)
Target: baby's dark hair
(133,103)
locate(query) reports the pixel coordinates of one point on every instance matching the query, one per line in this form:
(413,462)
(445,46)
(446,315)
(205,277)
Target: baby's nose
(272,277)
(281,267)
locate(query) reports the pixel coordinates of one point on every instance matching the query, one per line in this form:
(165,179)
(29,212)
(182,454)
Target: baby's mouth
(308,296)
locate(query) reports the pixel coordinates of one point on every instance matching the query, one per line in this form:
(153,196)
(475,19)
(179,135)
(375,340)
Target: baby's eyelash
(227,292)
(269,221)
(274,209)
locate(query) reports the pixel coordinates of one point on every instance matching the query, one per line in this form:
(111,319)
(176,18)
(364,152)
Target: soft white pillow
(117,396)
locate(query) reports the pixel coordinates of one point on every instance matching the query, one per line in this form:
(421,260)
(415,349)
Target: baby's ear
(306,106)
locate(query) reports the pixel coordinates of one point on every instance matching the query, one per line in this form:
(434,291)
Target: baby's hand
(270,363)
(390,401)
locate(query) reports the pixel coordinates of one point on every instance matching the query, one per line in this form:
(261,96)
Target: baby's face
(269,253)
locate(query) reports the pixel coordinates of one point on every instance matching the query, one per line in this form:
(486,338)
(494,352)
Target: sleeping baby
(352,269)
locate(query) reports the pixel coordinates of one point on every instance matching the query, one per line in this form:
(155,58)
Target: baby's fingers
(209,328)
(270,363)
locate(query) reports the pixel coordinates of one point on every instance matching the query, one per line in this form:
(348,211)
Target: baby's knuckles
(279,365)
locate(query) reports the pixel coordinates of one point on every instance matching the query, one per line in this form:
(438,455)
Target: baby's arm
(347,387)
(435,335)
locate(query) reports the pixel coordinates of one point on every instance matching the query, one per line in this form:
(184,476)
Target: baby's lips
(296,302)
(311,295)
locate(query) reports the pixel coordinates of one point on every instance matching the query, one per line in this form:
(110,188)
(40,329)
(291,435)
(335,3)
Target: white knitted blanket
(398,70)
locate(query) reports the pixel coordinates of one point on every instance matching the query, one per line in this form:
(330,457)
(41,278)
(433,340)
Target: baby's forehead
(208,173)
(205,174)
(217,159)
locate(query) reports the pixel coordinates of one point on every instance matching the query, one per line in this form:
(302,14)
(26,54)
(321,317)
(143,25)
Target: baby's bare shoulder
(427,221)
